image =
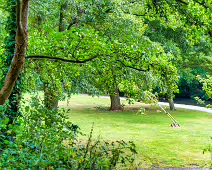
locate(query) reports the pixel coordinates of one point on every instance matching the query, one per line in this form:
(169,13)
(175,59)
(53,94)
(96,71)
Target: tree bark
(62,25)
(115,101)
(20,54)
(50,98)
(12,111)
(171,103)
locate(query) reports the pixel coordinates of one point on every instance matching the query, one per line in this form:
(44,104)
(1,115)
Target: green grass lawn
(157,143)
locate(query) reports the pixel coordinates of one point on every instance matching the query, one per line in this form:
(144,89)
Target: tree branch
(108,10)
(183,2)
(18,18)
(138,15)
(24,13)
(61,59)
(75,21)
(133,67)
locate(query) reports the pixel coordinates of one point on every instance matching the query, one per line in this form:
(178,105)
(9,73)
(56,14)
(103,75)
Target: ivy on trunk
(18,61)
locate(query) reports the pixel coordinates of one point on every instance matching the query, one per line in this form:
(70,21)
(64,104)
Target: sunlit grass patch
(157,143)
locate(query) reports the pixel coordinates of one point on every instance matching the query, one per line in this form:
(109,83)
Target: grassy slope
(157,143)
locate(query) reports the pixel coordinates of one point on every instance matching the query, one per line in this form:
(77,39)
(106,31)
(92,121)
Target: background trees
(125,23)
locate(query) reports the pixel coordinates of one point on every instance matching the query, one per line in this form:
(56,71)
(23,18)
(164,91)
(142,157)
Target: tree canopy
(129,34)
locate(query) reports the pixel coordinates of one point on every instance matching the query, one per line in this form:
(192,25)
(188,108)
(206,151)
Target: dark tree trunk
(20,53)
(12,111)
(115,102)
(171,103)
(50,98)
(62,25)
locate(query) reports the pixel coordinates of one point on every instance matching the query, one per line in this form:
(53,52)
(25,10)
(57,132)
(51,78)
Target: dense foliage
(138,47)
(46,139)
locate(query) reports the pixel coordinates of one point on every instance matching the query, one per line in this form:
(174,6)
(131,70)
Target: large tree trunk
(20,53)
(50,98)
(171,103)
(62,25)
(12,111)
(115,101)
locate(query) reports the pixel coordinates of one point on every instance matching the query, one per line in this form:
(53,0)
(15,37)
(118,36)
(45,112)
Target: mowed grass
(158,144)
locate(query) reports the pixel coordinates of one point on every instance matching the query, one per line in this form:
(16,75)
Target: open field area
(158,144)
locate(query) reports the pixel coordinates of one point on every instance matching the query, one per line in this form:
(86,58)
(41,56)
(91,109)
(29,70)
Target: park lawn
(158,144)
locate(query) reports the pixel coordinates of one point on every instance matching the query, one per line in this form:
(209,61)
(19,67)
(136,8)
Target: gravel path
(190,107)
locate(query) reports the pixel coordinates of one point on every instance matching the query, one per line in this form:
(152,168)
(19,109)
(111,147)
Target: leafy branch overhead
(60,59)
(110,33)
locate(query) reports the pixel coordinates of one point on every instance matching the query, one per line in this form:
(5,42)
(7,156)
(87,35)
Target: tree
(20,53)
(45,34)
(207,87)
(148,10)
(123,29)
(190,58)
(14,99)
(169,20)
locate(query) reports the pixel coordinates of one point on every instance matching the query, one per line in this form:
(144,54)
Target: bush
(46,140)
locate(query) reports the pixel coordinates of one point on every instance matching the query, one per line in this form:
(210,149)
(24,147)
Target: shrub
(45,139)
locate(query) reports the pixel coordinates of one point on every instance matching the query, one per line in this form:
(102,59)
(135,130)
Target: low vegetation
(47,140)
